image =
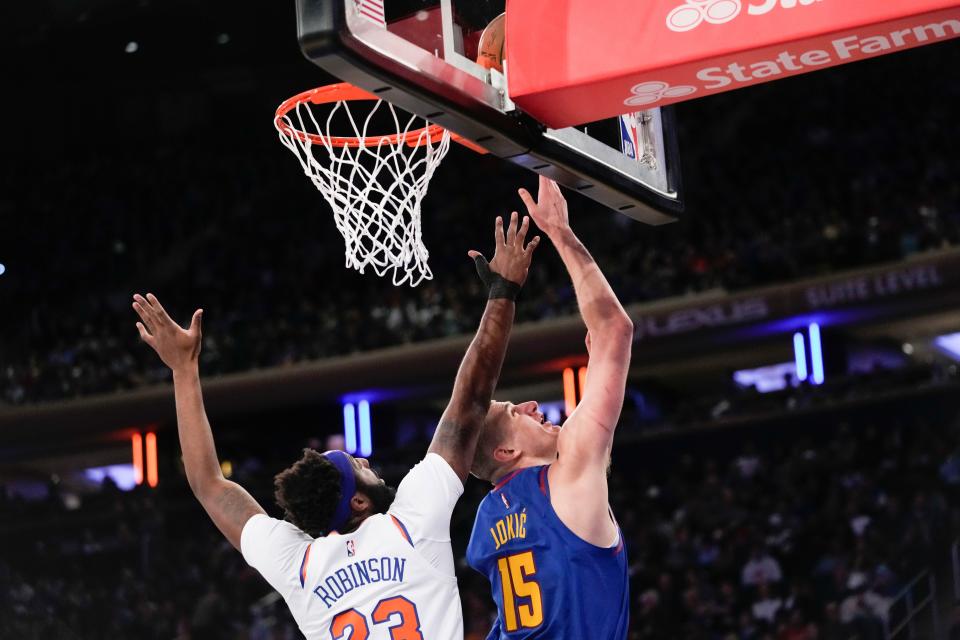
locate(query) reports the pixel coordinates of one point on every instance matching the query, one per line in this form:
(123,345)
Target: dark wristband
(497,285)
(503,288)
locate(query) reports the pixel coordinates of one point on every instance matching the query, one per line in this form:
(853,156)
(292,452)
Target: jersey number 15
(516,578)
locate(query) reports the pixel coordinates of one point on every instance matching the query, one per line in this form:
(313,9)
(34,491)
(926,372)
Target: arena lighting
(350,427)
(3,269)
(581,380)
(553,411)
(772,377)
(137,441)
(131,47)
(375,394)
(816,353)
(152,475)
(569,390)
(949,343)
(366,442)
(123,475)
(800,356)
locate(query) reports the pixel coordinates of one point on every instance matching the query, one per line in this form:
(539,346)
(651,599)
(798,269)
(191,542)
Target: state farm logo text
(692,13)
(731,72)
(655,91)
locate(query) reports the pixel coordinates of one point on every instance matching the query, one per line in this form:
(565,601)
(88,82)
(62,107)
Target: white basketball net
(375,189)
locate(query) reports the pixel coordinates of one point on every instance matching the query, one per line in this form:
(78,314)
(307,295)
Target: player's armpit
(426,498)
(229,506)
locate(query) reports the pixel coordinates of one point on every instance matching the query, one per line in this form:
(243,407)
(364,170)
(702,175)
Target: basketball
(490,48)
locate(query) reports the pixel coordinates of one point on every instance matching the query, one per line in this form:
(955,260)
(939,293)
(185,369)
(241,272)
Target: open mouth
(549,427)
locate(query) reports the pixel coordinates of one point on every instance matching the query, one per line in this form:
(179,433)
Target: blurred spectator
(761,569)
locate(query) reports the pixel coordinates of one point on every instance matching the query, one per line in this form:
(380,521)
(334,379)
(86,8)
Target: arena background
(139,155)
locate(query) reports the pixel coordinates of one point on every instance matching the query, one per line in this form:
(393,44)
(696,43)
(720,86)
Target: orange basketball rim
(346,92)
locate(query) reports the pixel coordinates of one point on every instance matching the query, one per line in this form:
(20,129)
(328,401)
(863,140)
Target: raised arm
(587,435)
(227,503)
(459,429)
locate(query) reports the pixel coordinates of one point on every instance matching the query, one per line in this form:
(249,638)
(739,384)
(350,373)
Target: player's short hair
(308,492)
(492,435)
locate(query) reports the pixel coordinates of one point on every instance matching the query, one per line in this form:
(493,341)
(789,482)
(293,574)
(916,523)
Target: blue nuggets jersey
(546,581)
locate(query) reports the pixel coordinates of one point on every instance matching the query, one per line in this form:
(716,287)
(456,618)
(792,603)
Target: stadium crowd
(807,535)
(178,186)
(809,542)
(236,229)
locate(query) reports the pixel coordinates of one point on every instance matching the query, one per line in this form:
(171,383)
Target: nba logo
(351,549)
(628,135)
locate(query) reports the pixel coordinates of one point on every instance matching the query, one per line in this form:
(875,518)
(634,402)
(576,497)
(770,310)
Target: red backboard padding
(576,61)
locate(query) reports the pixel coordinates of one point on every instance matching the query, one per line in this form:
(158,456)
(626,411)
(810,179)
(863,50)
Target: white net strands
(375,186)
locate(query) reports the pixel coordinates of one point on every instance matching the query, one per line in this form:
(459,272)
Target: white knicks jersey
(393,578)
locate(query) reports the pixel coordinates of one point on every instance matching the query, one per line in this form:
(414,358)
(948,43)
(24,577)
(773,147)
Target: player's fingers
(143,330)
(512,228)
(144,335)
(528,200)
(473,253)
(544,185)
(157,307)
(498,231)
(144,315)
(522,232)
(196,321)
(533,244)
(149,315)
(139,299)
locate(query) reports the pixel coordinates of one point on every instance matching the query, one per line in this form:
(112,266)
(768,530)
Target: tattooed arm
(459,429)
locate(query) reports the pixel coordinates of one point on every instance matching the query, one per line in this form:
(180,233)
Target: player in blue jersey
(545,535)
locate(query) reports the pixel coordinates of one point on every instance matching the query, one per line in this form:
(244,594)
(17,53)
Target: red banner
(576,61)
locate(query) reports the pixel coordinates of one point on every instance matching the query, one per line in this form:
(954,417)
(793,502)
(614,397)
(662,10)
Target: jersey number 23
(398,612)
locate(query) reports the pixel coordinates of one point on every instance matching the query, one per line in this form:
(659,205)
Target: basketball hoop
(373,183)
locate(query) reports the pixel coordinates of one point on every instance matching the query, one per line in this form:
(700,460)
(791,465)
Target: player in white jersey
(348,563)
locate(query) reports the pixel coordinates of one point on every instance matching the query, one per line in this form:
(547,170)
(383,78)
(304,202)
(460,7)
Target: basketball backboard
(420,55)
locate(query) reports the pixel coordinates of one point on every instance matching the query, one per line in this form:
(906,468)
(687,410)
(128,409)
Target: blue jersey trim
(402,528)
(303,566)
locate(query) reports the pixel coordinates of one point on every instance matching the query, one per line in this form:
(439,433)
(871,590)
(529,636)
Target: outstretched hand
(178,348)
(511,259)
(549,211)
